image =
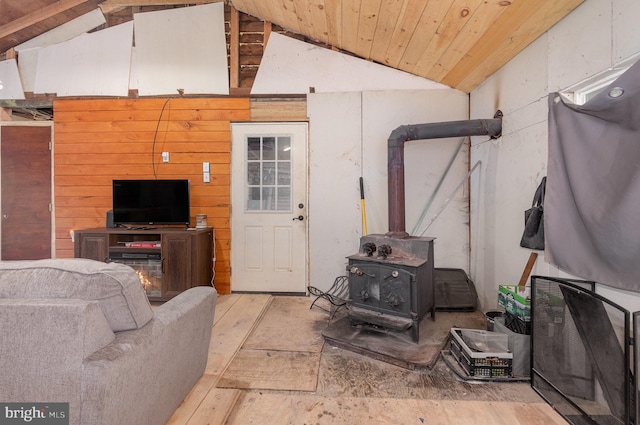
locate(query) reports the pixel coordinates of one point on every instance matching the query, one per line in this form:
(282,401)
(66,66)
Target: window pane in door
(268,173)
(268,198)
(253,173)
(284,148)
(253,199)
(284,173)
(269,148)
(253,147)
(284,199)
(268,166)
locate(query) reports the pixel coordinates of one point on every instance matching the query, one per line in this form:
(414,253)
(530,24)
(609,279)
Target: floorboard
(272,370)
(275,409)
(289,325)
(192,402)
(350,388)
(216,407)
(232,330)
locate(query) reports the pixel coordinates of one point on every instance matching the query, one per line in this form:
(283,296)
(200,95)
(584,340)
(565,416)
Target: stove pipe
(405,133)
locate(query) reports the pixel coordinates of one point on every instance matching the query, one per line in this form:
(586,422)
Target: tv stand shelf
(173,259)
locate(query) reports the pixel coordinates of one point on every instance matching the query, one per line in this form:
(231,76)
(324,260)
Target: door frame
(233,241)
(51,147)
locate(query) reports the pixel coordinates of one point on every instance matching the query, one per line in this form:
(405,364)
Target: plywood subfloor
(351,388)
(238,317)
(283,350)
(272,370)
(289,325)
(266,409)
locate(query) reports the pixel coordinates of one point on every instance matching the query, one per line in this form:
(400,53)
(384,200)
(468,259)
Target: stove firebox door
(382,288)
(395,290)
(364,287)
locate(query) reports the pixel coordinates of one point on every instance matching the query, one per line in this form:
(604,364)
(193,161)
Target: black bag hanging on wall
(533,235)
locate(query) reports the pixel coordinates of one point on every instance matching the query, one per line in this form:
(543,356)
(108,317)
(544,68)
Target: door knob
(300,217)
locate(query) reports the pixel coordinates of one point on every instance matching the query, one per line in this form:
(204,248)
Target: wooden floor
(268,364)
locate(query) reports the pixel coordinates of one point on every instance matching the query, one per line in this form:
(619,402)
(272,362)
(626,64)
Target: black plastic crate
(478,364)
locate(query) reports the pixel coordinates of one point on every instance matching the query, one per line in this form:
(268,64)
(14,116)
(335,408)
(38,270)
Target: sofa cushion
(115,286)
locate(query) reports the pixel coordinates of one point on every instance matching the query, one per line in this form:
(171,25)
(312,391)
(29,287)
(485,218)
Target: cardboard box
(516,301)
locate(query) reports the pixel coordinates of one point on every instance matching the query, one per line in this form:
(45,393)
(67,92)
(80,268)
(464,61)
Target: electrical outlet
(165,156)
(205,167)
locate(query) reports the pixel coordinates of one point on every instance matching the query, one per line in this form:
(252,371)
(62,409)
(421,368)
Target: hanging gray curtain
(592,201)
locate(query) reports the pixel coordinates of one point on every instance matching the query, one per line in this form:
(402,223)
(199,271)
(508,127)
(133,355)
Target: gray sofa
(83,332)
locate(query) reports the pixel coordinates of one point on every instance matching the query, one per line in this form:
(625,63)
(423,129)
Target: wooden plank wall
(96,141)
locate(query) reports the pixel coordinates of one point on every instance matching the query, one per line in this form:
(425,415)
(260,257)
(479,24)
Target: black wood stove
(391,276)
(391,282)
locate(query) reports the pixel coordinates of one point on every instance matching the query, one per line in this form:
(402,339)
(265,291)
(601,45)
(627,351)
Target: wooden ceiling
(458,43)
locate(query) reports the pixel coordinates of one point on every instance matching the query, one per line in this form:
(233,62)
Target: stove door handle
(393,274)
(359,272)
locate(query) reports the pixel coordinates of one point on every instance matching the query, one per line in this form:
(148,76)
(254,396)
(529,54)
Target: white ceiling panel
(10,85)
(292,66)
(94,64)
(192,57)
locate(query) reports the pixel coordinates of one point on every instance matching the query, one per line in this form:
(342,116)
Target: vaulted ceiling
(455,42)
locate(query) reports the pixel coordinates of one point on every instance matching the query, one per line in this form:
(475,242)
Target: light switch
(165,156)
(206,177)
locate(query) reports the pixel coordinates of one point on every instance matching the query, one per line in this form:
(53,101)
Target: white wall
(594,37)
(293,66)
(348,138)
(354,107)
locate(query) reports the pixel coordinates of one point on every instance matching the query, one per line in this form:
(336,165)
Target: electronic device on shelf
(151,202)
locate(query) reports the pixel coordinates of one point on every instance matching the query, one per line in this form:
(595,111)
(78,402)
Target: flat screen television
(149,202)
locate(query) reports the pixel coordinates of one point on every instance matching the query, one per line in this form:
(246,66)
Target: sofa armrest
(43,345)
(143,375)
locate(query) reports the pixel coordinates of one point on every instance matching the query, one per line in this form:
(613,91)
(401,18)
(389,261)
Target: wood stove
(391,276)
(391,282)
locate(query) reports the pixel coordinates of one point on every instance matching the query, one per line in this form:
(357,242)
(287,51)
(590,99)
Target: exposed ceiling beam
(120,3)
(38,16)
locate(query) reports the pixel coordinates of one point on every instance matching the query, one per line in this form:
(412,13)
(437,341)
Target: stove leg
(415,328)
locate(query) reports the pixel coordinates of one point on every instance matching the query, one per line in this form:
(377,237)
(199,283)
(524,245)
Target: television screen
(151,202)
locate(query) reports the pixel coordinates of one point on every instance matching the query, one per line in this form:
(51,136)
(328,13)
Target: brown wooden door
(94,246)
(26,192)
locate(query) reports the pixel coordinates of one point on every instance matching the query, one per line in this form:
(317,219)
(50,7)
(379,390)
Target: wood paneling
(455,42)
(279,110)
(97,141)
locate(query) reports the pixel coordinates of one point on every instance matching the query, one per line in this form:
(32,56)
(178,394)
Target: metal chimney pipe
(405,133)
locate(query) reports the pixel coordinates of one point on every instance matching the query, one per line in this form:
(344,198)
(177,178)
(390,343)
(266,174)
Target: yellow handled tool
(362,208)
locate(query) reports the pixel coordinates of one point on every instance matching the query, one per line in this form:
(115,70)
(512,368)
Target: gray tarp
(592,201)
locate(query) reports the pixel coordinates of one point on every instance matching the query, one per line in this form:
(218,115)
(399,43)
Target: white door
(269,204)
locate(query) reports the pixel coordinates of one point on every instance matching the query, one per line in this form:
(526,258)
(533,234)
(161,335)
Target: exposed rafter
(38,16)
(126,3)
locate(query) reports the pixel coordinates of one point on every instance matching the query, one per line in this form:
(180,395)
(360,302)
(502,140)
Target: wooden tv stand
(168,260)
